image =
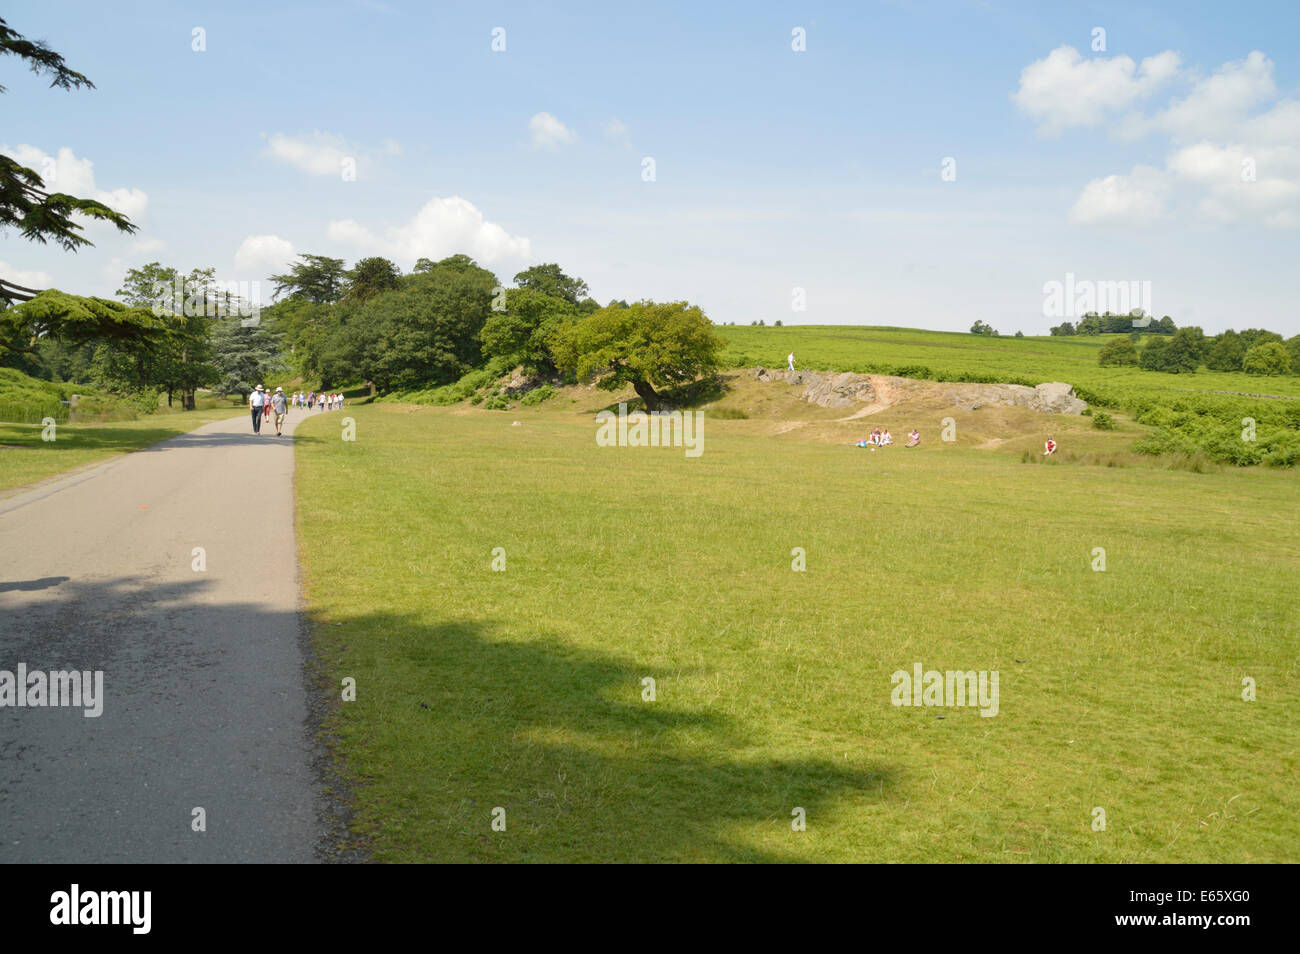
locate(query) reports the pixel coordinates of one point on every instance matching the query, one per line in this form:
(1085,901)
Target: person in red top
(1050,447)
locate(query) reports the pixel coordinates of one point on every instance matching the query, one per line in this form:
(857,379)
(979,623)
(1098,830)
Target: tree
(1293,349)
(551,280)
(1118,352)
(245,356)
(1063,329)
(648,345)
(425,332)
(1178,354)
(1089,324)
(187,307)
(76,321)
(39,215)
(314,278)
(521,335)
(1226,352)
(1271,357)
(370,276)
(1166,325)
(981,328)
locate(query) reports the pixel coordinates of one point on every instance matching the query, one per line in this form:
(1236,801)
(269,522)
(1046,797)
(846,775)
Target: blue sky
(774,169)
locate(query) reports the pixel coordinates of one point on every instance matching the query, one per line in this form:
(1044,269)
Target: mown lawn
(25,457)
(523,689)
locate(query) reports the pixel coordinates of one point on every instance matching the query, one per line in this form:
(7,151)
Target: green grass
(25,458)
(523,689)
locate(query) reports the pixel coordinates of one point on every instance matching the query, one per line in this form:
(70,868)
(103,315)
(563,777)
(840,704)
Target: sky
(920,164)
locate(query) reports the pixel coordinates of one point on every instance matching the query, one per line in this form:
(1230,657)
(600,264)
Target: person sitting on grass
(1049,447)
(885,439)
(913,438)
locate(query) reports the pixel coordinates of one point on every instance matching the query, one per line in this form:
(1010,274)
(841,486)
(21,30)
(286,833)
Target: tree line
(1253,351)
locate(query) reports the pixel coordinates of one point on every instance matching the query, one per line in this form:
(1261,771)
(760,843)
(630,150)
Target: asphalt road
(204,699)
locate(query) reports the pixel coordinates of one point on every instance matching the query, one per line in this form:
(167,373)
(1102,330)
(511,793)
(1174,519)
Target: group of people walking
(333,401)
(266,405)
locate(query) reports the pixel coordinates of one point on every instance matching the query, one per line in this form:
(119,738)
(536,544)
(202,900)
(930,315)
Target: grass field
(25,457)
(523,689)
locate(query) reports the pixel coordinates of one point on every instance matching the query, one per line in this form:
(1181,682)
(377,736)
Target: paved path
(204,696)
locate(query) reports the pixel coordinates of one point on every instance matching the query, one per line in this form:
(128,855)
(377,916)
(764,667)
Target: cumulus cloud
(1064,90)
(1232,157)
(263,254)
(442,227)
(548,132)
(1137,198)
(64,172)
(28,279)
(326,154)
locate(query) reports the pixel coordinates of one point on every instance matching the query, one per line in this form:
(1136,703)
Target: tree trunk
(372,388)
(169,397)
(647,394)
(187,400)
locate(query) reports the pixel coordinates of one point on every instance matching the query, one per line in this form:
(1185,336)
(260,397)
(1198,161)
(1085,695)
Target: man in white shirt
(789,360)
(257,401)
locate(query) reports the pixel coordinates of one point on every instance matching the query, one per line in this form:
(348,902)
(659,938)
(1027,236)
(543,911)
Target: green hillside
(1198,412)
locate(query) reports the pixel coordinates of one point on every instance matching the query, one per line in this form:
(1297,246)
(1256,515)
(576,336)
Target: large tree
(550,280)
(25,204)
(649,345)
(370,276)
(522,333)
(314,278)
(425,332)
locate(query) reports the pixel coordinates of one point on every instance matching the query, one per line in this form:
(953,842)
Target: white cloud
(1227,162)
(144,246)
(549,132)
(64,172)
(263,254)
(1218,103)
(28,279)
(1064,89)
(1135,199)
(616,131)
(442,227)
(325,154)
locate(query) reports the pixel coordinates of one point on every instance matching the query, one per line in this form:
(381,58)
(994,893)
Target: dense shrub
(537,395)
(1103,421)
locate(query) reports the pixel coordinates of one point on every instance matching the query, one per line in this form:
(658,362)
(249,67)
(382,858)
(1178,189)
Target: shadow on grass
(451,723)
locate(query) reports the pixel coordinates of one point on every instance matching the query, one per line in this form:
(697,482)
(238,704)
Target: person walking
(280,405)
(256,401)
(789,361)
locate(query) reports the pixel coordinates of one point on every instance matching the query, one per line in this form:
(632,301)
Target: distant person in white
(789,360)
(257,401)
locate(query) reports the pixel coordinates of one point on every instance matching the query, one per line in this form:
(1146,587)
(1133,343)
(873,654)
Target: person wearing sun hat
(257,401)
(280,405)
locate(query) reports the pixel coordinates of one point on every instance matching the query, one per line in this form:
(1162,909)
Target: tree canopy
(648,345)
